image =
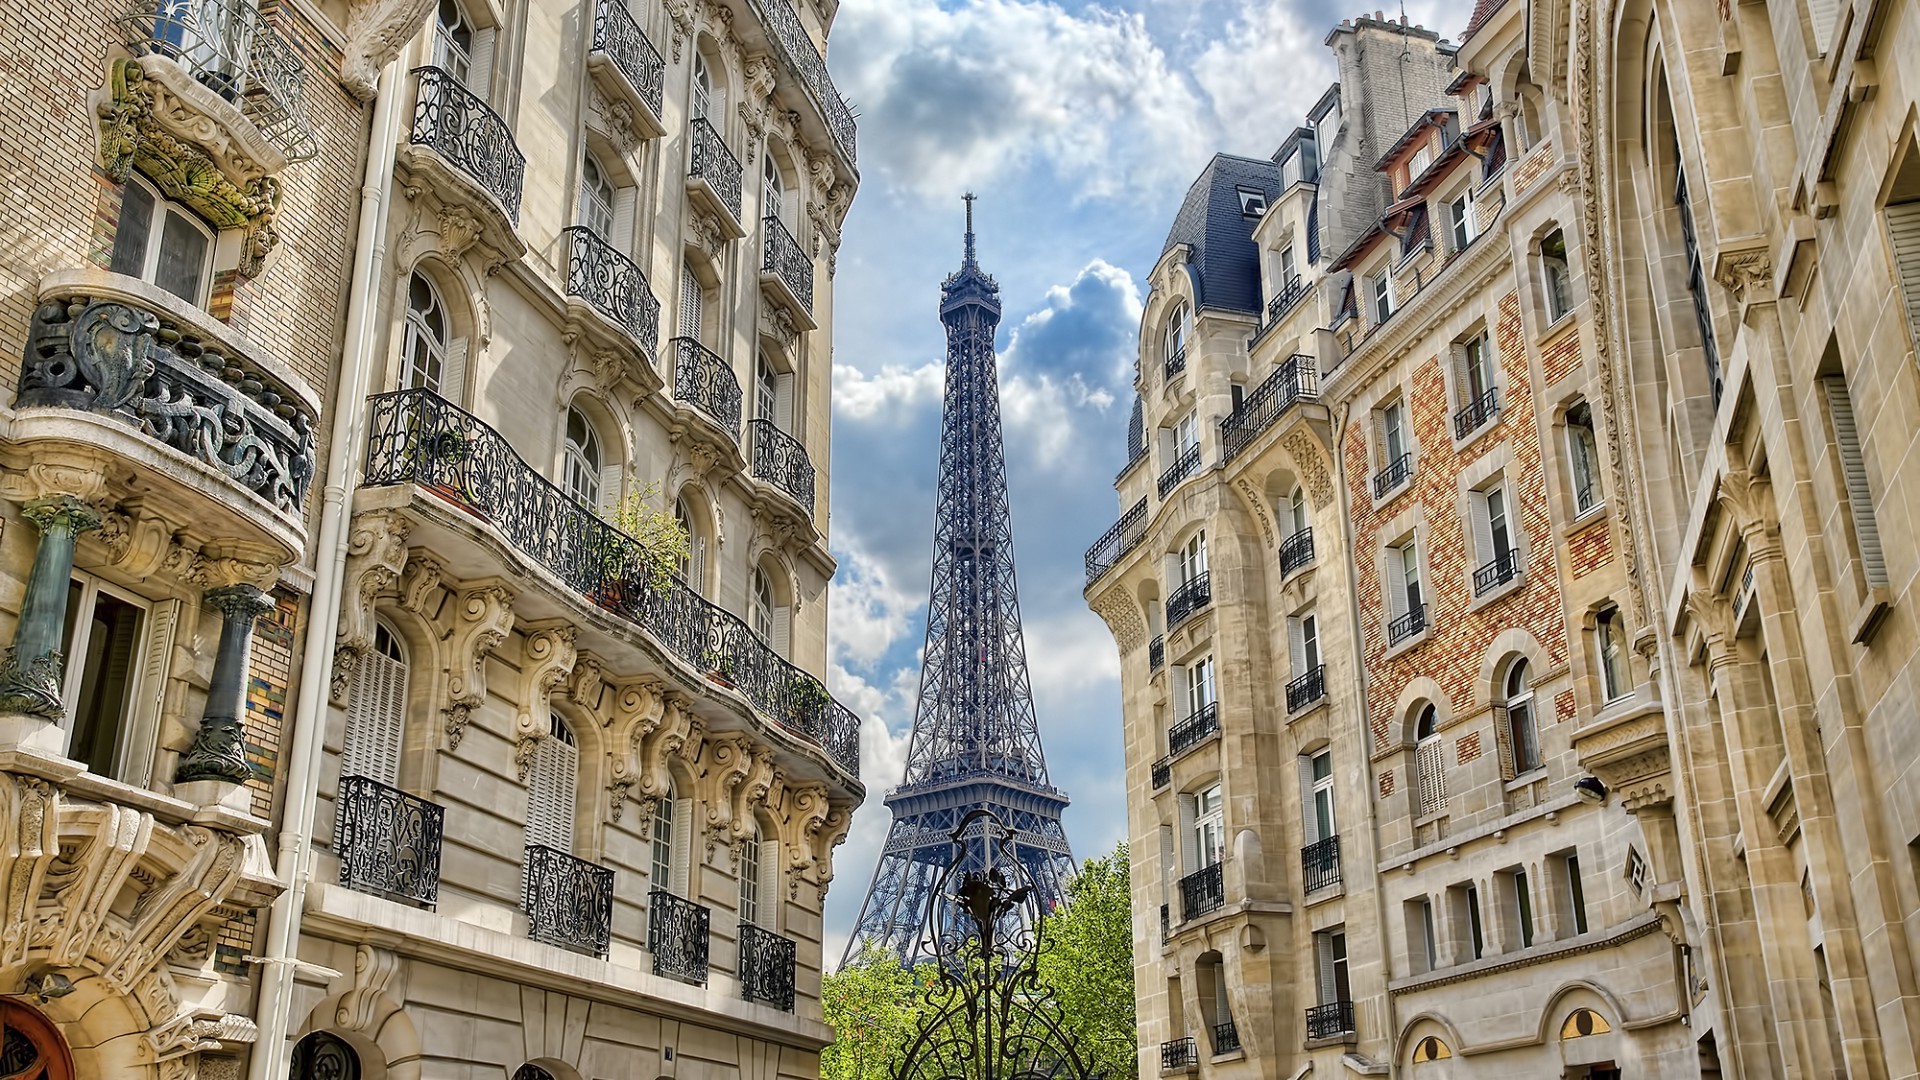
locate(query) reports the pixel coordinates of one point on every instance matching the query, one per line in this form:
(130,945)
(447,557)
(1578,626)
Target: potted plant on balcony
(807,703)
(642,550)
(719,667)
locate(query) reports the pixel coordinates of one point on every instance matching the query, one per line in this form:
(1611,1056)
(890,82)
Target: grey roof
(1224,261)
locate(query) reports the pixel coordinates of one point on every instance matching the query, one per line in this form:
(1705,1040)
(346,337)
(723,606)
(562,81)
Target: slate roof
(1482,11)
(1225,263)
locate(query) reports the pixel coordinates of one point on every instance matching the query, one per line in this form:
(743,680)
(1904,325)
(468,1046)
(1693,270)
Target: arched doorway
(30,1046)
(320,1056)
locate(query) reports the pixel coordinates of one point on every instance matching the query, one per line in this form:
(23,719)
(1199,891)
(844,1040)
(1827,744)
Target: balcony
(797,52)
(1502,569)
(1183,466)
(1166,923)
(569,901)
(1307,689)
(228,47)
(1331,1020)
(1194,730)
(703,380)
(1189,599)
(627,67)
(1157,653)
(466,134)
(1123,537)
(1178,1054)
(766,966)
(1320,865)
(1162,773)
(1397,472)
(780,460)
(1226,1038)
(1284,301)
(677,938)
(388,841)
(713,176)
(1477,414)
(1295,381)
(1202,892)
(1174,364)
(1406,626)
(418,438)
(786,272)
(1296,551)
(613,285)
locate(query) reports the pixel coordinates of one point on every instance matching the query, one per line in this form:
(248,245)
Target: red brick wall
(1532,166)
(1560,355)
(1590,549)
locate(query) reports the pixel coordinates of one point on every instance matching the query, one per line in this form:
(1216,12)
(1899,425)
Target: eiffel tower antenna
(975,743)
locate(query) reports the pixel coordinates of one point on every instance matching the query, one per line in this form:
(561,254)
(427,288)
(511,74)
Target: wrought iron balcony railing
(1292,382)
(1331,1019)
(1288,298)
(1194,730)
(1174,364)
(619,38)
(176,384)
(1183,466)
(1476,413)
(714,163)
(231,49)
(782,256)
(568,901)
(780,460)
(1189,599)
(1397,472)
(1123,537)
(1157,653)
(1226,1038)
(1310,687)
(388,841)
(1320,864)
(766,967)
(1176,1054)
(1296,551)
(461,127)
(613,285)
(704,381)
(677,936)
(796,50)
(417,437)
(1406,626)
(1501,569)
(1166,923)
(1162,773)
(1201,892)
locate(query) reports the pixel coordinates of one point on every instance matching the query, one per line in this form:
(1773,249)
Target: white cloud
(892,393)
(868,612)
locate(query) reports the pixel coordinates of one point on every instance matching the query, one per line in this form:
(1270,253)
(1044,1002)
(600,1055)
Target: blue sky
(1080,125)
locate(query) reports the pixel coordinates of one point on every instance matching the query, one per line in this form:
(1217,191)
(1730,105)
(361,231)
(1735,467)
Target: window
(1425,946)
(1176,335)
(1380,294)
(552,783)
(1497,556)
(1393,433)
(750,880)
(1523,907)
(1853,474)
(1584,454)
(1404,605)
(1556,280)
(1473,376)
(1316,780)
(432,360)
(1289,267)
(664,822)
(1199,686)
(1576,893)
(1192,560)
(1252,203)
(1476,936)
(692,300)
(162,243)
(1696,272)
(1303,633)
(107,636)
(1460,219)
(582,461)
(766,392)
(1330,949)
(1903,231)
(1209,828)
(1610,643)
(596,200)
(692,568)
(453,41)
(1422,158)
(1186,434)
(762,606)
(1521,730)
(1429,765)
(773,189)
(1297,511)
(703,96)
(376,712)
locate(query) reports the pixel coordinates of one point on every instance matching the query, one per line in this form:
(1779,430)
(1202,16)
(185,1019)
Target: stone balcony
(786,273)
(627,68)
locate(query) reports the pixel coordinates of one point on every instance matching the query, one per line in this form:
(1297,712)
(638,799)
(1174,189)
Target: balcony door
(1209,828)
(552,783)
(376,712)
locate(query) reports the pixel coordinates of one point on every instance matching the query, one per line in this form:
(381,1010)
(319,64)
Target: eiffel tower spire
(976,743)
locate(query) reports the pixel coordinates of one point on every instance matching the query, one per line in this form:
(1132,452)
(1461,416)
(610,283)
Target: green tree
(1086,959)
(873,1004)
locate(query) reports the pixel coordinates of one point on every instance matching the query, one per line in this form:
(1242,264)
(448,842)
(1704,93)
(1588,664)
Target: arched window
(31,1047)
(552,783)
(596,200)
(762,606)
(319,1056)
(1556,278)
(750,879)
(1297,510)
(672,842)
(582,460)
(1429,764)
(773,194)
(453,41)
(703,96)
(162,243)
(693,568)
(426,348)
(766,392)
(1521,732)
(1583,453)
(1610,643)
(376,711)
(1176,334)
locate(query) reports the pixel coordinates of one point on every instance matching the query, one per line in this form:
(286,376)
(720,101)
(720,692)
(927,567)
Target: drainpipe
(295,868)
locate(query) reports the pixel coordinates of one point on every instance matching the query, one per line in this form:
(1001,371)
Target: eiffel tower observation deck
(976,742)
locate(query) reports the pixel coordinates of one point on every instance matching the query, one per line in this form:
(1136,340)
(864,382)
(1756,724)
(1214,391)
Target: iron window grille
(462,128)
(797,51)
(1201,892)
(568,901)
(1175,364)
(1307,689)
(1320,864)
(1176,1054)
(1397,472)
(766,966)
(1286,299)
(1189,599)
(1162,773)
(1330,1019)
(1226,1038)
(388,841)
(677,936)
(1123,537)
(1183,466)
(1194,730)
(1296,551)
(1157,653)
(1477,413)
(706,382)
(1292,382)
(1501,569)
(1406,626)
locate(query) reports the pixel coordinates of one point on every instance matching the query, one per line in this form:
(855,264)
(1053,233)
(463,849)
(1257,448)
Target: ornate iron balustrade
(1404,627)
(1291,382)
(1194,730)
(1476,413)
(1331,1019)
(1201,892)
(614,285)
(1177,1054)
(677,936)
(230,48)
(1320,864)
(1296,551)
(417,437)
(1123,537)
(1226,1038)
(568,901)
(1174,364)
(1166,923)
(714,163)
(388,841)
(1182,467)
(780,460)
(618,37)
(704,381)
(796,49)
(1157,653)
(782,256)
(1397,472)
(766,967)
(1162,773)
(176,385)
(459,125)
(1289,297)
(1501,569)
(1310,687)
(1189,599)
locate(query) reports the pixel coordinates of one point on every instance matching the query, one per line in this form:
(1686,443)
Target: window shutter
(551,785)
(1323,953)
(1429,768)
(782,629)
(611,475)
(1380,439)
(1903,228)
(453,372)
(1462,376)
(691,297)
(682,847)
(624,199)
(155,659)
(1297,646)
(699,565)
(376,706)
(1503,741)
(1189,843)
(1823,14)
(769,914)
(1482,516)
(783,403)
(1853,469)
(1396,583)
(1309,818)
(480,68)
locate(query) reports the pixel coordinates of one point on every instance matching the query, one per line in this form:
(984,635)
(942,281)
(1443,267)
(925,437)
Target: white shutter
(682,847)
(480,69)
(1430,775)
(691,297)
(1309,819)
(551,786)
(376,711)
(769,915)
(1396,583)
(624,199)
(1482,516)
(1323,954)
(611,474)
(1823,14)
(1462,376)
(1853,469)
(156,657)
(1189,842)
(782,629)
(1903,229)
(453,372)
(783,416)
(1297,646)
(699,565)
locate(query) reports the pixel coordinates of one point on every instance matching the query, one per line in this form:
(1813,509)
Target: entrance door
(30,1046)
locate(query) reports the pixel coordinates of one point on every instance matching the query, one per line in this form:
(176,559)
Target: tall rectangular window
(1696,278)
(1476,937)
(1288,268)
(1380,294)
(106,632)
(1209,827)
(1317,783)
(1610,643)
(1583,454)
(1330,947)
(1303,632)
(1523,908)
(1853,474)
(1193,557)
(1393,432)
(1460,219)
(1199,685)
(1576,893)
(1403,564)
(1429,950)
(1903,231)
(1556,279)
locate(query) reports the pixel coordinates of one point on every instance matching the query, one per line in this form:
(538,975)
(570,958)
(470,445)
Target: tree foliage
(873,1004)
(1086,959)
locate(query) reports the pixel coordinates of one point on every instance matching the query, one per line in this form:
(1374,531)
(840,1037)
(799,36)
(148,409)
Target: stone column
(30,674)
(218,753)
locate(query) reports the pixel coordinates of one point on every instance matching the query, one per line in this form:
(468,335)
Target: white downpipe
(270,1060)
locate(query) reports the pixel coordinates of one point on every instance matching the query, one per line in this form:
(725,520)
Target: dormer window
(1421,159)
(1252,203)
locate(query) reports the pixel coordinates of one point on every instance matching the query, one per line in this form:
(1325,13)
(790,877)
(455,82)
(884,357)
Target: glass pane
(107,669)
(130,237)
(183,258)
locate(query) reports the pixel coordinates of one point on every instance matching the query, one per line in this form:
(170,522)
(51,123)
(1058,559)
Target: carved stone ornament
(729,760)
(637,711)
(549,661)
(485,616)
(376,32)
(376,556)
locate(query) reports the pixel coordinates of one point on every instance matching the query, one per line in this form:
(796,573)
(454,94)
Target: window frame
(582,461)
(160,215)
(1583,459)
(1609,652)
(1209,832)
(1556,277)
(132,747)
(598,206)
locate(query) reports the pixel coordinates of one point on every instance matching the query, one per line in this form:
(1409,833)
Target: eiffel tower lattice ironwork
(976,743)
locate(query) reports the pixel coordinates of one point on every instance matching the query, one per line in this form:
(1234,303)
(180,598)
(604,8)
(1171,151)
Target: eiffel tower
(975,741)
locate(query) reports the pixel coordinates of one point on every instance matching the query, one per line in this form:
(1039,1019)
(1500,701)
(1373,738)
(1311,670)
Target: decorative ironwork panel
(1157,653)
(796,50)
(1320,864)
(1307,689)
(780,460)
(619,38)
(1331,1019)
(1296,551)
(704,381)
(1162,773)
(319,1055)
(677,937)
(1177,1054)
(1202,891)
(1295,381)
(568,901)
(783,257)
(230,48)
(1194,730)
(1289,297)
(1189,599)
(715,164)
(459,125)
(1174,364)
(1123,537)
(1226,1038)
(766,967)
(1182,467)
(1397,472)
(1404,627)
(1477,413)
(1499,570)
(614,285)
(176,387)
(388,841)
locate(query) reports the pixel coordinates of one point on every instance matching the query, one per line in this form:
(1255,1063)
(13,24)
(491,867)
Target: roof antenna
(1406,57)
(969,197)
